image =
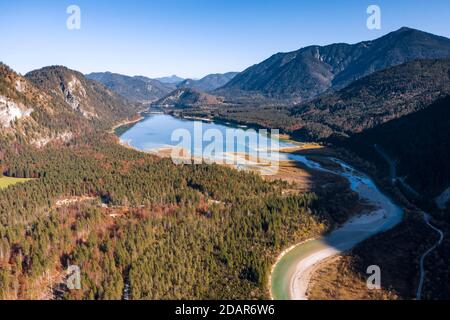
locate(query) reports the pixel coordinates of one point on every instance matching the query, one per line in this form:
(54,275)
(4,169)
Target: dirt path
(426,218)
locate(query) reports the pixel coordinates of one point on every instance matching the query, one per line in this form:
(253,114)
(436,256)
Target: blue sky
(192,38)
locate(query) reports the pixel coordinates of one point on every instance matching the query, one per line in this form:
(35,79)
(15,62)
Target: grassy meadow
(7,181)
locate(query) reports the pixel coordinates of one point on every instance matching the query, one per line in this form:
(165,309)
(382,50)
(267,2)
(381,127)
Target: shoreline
(281,256)
(125,123)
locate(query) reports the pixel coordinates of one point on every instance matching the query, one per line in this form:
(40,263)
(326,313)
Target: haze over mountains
(174,79)
(145,90)
(306,73)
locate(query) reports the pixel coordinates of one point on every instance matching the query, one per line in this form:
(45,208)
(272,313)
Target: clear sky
(192,38)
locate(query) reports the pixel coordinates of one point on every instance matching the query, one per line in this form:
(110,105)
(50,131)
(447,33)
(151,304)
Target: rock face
(306,73)
(74,86)
(11,111)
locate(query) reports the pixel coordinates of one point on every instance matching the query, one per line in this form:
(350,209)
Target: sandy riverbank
(298,263)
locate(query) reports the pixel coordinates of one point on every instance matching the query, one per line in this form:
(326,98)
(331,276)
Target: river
(293,270)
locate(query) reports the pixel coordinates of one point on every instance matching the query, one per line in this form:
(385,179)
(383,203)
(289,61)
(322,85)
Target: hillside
(306,73)
(365,103)
(30,115)
(186,97)
(418,142)
(137,89)
(373,100)
(209,82)
(55,104)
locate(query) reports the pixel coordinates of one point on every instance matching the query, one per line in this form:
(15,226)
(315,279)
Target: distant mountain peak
(173,79)
(137,89)
(403,29)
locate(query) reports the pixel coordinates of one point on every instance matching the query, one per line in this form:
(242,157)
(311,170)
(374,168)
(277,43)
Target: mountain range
(138,89)
(145,90)
(306,73)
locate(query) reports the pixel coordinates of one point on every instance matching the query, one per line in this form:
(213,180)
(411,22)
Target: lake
(207,140)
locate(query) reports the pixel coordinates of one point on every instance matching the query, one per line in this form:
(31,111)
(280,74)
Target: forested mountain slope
(209,82)
(188,97)
(55,104)
(373,100)
(419,143)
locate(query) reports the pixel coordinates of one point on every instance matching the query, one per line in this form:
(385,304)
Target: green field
(7,181)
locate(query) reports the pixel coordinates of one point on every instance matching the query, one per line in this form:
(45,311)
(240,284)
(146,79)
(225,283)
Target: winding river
(292,272)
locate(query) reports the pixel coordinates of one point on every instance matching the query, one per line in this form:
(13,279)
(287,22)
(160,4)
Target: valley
(89,178)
